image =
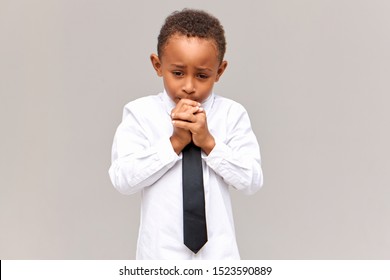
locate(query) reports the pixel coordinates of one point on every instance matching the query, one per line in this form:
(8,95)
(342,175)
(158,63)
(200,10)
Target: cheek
(171,89)
(206,90)
(170,82)
(208,87)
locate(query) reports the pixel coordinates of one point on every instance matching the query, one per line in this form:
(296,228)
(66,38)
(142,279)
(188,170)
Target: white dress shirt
(143,160)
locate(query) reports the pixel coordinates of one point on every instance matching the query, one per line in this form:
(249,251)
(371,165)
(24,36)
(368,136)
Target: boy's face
(189,67)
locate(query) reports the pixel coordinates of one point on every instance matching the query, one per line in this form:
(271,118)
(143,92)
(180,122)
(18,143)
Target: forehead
(195,49)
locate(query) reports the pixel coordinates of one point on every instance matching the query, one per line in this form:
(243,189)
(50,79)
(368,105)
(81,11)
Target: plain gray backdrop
(313,75)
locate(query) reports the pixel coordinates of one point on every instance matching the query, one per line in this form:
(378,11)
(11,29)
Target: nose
(188,86)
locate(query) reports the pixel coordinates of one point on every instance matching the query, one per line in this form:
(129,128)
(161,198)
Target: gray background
(314,76)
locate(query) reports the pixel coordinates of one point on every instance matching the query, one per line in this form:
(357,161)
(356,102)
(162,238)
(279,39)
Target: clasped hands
(190,124)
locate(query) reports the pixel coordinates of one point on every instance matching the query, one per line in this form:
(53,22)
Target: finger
(200,111)
(184,116)
(184,108)
(188,102)
(183,124)
(189,110)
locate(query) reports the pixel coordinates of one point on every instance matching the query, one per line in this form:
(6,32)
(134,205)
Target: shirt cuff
(165,152)
(220,152)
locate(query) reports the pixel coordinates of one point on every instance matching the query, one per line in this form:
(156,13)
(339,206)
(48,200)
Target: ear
(221,69)
(156,64)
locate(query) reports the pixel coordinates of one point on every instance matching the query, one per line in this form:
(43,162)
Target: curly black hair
(192,23)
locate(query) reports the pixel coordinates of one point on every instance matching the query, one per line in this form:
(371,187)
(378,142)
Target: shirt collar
(169,104)
(167,101)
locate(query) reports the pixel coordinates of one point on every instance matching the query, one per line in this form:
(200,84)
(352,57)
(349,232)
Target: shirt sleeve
(237,160)
(135,162)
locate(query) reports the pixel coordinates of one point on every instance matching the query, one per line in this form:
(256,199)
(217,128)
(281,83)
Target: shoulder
(142,105)
(228,105)
(143,102)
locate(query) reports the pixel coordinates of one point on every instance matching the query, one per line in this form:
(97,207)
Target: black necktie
(194,217)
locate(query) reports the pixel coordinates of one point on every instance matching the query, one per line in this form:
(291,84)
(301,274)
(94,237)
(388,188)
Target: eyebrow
(197,68)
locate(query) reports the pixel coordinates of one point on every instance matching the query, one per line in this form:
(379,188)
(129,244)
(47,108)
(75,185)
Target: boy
(149,145)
